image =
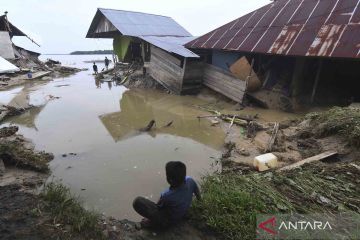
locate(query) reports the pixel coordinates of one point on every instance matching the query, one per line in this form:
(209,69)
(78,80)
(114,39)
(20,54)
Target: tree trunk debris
(148,127)
(246,121)
(169,124)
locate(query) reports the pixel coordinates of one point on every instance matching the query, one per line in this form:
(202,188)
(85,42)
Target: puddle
(114,162)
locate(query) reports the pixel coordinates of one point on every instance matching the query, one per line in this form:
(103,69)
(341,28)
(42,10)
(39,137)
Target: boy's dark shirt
(177,201)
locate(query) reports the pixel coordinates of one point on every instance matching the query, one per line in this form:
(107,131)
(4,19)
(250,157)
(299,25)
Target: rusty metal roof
(323,28)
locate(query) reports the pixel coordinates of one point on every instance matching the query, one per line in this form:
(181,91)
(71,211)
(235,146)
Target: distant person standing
(95,68)
(107,63)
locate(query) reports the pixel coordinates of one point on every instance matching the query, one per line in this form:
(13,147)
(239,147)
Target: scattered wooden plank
(309,160)
(355,166)
(231,123)
(148,127)
(34,75)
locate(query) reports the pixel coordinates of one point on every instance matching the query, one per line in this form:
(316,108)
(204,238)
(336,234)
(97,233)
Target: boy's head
(175,173)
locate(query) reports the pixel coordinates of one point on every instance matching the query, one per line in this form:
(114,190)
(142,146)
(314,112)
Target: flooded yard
(92,129)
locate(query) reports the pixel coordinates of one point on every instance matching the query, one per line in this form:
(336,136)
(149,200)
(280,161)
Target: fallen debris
(214,122)
(62,85)
(51,97)
(169,124)
(245,121)
(9,111)
(35,75)
(148,127)
(8,131)
(49,62)
(14,151)
(309,160)
(273,137)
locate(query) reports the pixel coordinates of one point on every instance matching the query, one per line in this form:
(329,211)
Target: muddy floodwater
(91,128)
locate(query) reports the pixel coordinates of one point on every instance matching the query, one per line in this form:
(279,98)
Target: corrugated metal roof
(171,44)
(7,67)
(324,28)
(139,24)
(14,30)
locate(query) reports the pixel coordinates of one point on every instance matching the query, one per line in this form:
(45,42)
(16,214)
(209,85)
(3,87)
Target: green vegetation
(227,208)
(66,209)
(92,52)
(343,121)
(231,201)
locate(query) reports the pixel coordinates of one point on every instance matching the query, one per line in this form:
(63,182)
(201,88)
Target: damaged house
(10,54)
(153,40)
(300,52)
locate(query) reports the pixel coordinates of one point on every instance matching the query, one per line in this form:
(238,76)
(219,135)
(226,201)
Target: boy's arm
(197,192)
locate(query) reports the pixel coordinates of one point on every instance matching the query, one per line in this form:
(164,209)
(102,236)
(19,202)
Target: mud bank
(55,213)
(23,213)
(130,76)
(40,71)
(236,195)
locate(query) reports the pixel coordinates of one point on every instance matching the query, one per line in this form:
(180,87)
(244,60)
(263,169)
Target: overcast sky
(60,26)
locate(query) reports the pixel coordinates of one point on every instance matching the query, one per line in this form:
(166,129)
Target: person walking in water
(107,63)
(95,68)
(174,202)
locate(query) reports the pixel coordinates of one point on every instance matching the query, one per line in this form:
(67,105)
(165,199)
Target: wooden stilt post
(317,78)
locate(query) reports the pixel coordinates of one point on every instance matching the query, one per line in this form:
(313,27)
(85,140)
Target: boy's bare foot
(145,223)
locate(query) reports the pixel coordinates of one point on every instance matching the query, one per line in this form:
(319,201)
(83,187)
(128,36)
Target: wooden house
(302,52)
(156,41)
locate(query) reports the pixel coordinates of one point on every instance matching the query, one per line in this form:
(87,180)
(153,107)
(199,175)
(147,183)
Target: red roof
(325,28)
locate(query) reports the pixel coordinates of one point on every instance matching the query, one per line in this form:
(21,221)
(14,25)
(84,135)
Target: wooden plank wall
(193,72)
(224,82)
(166,69)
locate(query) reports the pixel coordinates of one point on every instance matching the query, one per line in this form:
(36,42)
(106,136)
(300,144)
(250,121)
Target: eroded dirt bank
(327,186)
(330,186)
(53,213)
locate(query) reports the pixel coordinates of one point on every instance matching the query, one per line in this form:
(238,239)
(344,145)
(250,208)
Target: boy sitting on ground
(174,202)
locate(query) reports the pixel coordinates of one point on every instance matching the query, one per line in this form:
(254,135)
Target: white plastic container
(265,162)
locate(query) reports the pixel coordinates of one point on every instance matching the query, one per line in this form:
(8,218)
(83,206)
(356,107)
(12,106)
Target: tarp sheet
(121,45)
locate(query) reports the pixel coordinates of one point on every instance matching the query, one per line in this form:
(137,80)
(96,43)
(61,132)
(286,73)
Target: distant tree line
(92,52)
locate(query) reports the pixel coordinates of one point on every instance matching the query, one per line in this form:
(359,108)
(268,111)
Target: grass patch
(67,209)
(231,201)
(344,121)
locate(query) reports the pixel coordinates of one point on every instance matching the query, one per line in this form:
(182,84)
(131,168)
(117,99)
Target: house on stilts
(299,52)
(156,41)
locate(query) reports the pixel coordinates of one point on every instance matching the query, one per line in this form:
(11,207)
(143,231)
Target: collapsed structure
(302,50)
(286,54)
(10,52)
(154,40)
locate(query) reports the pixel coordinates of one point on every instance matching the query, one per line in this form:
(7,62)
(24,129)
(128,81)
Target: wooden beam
(316,80)
(273,137)
(309,160)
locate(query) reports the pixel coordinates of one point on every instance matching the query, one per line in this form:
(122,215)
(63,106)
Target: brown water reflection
(138,107)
